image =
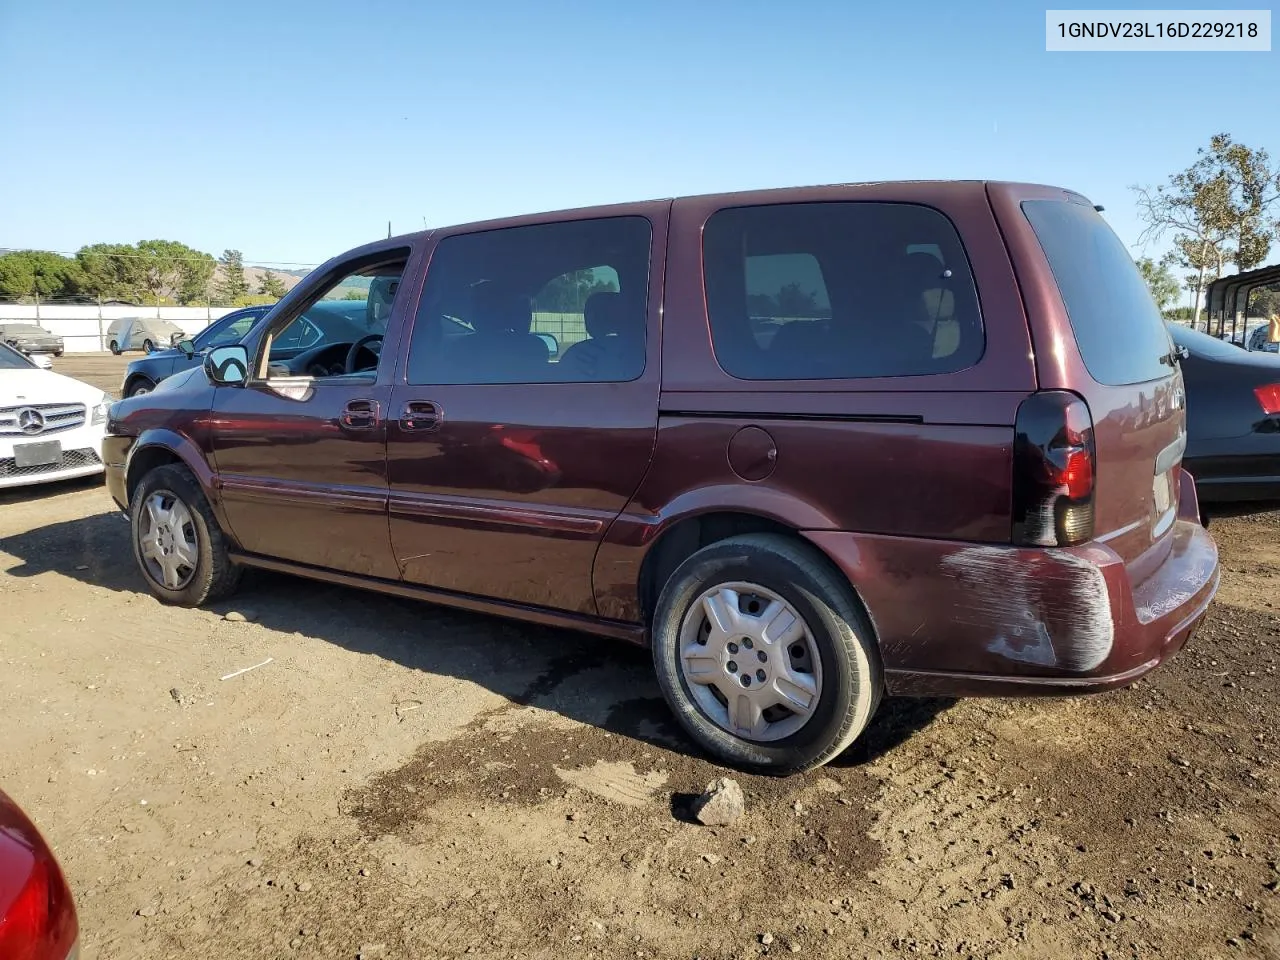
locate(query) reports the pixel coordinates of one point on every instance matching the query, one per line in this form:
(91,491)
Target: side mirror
(187,347)
(553,345)
(227,366)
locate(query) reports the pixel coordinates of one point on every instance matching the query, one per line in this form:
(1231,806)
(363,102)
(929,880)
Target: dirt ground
(401,781)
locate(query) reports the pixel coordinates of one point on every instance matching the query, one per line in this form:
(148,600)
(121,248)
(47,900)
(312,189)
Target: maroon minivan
(811,445)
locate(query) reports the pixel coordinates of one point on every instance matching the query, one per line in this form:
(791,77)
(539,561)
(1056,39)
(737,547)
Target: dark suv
(812,446)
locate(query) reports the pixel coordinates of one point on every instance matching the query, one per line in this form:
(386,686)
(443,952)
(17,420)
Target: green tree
(271,286)
(152,270)
(1264,302)
(1161,282)
(1220,210)
(112,271)
(231,285)
(25,274)
(174,271)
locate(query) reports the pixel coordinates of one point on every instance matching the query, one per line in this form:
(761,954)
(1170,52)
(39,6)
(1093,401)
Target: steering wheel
(350,365)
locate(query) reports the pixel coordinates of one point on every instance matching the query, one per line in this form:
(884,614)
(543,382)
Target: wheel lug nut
(760,675)
(762,656)
(733,648)
(733,667)
(746,642)
(746,681)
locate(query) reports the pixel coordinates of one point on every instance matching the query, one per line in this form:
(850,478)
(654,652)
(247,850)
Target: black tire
(852,675)
(114,348)
(57,353)
(140,385)
(148,346)
(215,576)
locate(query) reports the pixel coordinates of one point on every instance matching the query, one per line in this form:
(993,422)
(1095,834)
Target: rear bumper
(957,619)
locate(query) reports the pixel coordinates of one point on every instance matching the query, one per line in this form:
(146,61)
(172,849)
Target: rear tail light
(1053,471)
(41,922)
(1269,397)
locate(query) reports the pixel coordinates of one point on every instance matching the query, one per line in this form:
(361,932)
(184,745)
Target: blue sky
(293,131)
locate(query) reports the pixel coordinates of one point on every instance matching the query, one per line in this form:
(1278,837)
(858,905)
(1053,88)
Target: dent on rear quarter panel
(1008,591)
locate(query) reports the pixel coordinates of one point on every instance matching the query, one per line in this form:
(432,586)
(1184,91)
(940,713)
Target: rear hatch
(1102,337)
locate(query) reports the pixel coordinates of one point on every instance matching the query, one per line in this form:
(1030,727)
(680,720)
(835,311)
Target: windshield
(1203,345)
(230,329)
(11,359)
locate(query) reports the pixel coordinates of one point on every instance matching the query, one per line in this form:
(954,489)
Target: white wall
(83,328)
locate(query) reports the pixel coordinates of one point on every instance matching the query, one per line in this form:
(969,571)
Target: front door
(301,448)
(526,411)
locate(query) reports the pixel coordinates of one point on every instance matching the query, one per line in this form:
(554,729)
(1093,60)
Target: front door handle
(421,416)
(360,414)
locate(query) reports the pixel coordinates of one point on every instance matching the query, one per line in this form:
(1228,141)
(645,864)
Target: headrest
(496,310)
(605,314)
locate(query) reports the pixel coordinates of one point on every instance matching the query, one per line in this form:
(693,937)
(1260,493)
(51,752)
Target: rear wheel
(763,653)
(177,542)
(114,347)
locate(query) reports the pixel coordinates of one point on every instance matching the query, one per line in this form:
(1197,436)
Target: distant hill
(253,277)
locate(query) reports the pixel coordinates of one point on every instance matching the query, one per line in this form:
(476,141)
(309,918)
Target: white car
(51,426)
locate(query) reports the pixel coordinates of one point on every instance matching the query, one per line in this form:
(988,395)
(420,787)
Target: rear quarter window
(1118,328)
(839,290)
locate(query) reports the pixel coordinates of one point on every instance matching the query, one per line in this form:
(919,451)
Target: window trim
(889,383)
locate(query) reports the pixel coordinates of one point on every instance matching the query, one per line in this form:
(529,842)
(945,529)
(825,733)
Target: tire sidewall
(846,665)
(173,481)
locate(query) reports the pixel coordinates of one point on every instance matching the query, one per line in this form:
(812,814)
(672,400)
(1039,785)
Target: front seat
(614,348)
(502,350)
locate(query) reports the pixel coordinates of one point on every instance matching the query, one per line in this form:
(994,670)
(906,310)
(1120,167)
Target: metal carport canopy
(1225,291)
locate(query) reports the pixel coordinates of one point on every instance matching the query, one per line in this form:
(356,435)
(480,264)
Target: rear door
(1097,332)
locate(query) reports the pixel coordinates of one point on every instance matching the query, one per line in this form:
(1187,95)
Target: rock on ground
(720,804)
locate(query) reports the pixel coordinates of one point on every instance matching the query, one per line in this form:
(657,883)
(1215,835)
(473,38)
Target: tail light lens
(40,924)
(1053,471)
(1269,397)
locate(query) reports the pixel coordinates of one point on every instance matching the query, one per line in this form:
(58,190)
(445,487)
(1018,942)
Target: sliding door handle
(421,416)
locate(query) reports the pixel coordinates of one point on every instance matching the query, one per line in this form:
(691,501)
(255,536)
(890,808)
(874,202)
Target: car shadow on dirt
(606,684)
(37,492)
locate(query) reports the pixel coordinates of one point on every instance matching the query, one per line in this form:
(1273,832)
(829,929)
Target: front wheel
(148,346)
(763,653)
(177,542)
(114,348)
(140,387)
